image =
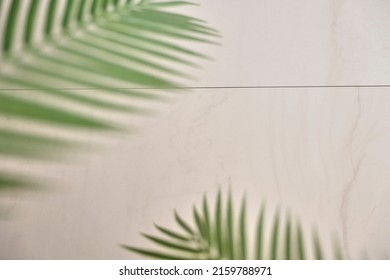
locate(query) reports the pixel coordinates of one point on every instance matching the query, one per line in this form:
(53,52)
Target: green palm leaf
(110,46)
(226,237)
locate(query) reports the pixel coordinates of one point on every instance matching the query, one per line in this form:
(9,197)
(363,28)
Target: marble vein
(355,168)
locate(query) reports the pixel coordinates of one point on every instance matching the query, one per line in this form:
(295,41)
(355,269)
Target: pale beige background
(321,152)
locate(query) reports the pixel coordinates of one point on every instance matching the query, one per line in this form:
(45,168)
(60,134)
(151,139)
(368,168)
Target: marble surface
(323,153)
(303,42)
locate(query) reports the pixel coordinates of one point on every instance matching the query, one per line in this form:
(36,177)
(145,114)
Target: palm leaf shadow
(225,235)
(113,47)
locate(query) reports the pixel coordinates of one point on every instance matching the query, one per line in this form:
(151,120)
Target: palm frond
(112,47)
(226,236)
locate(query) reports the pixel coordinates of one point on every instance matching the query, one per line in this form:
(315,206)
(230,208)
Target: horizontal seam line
(213,87)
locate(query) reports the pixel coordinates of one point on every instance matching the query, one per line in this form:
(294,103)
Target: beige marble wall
(303,42)
(323,153)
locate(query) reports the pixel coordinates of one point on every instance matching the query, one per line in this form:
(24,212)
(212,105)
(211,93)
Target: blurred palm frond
(110,46)
(225,235)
